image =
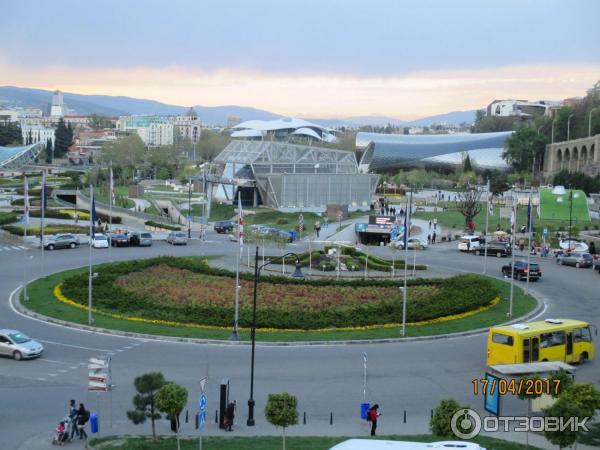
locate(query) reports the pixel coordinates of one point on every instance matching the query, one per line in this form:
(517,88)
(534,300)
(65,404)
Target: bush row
(152,223)
(7,217)
(452,296)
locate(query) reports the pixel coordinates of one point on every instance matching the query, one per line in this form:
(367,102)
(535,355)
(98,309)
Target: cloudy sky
(401,58)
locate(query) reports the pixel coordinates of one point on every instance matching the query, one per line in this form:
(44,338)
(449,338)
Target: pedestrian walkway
(7,247)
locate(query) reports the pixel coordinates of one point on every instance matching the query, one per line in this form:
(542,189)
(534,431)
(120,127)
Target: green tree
(566,437)
(583,395)
(467,167)
(525,149)
(281,410)
(171,399)
(147,386)
(211,143)
(469,205)
(63,137)
(10,134)
(440,423)
(490,124)
(98,122)
(126,154)
(566,381)
(48,151)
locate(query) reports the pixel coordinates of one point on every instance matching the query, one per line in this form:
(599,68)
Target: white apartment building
(153,130)
(188,126)
(37,133)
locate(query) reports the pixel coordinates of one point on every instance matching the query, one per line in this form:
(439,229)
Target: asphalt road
(410,376)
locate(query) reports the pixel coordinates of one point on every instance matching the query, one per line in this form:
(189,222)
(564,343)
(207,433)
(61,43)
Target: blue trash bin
(94,422)
(364,410)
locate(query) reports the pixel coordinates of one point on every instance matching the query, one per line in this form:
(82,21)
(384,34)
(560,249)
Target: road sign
(545,232)
(203,383)
(202,415)
(202,403)
(99,372)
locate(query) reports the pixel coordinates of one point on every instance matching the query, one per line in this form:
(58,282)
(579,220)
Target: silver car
(576,259)
(177,238)
(17,345)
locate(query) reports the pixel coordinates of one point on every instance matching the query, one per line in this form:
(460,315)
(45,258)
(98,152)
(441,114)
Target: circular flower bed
(188,291)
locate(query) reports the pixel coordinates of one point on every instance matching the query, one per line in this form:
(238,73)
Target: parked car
(61,241)
(99,241)
(17,345)
(276,233)
(576,259)
(177,238)
(412,244)
(521,270)
(140,239)
(224,226)
(469,243)
(498,248)
(119,240)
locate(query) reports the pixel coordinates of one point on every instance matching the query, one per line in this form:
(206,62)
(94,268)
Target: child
(61,436)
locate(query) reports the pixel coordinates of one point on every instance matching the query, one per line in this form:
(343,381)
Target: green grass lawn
(41,300)
(553,209)
(101,195)
(274,442)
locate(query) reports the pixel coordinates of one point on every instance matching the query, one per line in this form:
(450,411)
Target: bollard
(304,418)
(404,416)
(217,416)
(197,421)
(186,416)
(432,413)
(331,418)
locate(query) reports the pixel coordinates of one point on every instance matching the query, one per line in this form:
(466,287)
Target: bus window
(582,335)
(502,339)
(552,339)
(535,349)
(526,350)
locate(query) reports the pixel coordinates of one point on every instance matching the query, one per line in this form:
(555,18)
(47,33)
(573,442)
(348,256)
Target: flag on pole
(407,221)
(44,191)
(512,220)
(112,185)
(25,201)
(490,207)
(93,215)
(240,220)
(529,217)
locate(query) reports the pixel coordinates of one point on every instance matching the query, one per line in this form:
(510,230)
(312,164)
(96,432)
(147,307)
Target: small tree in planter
(147,386)
(171,399)
(440,423)
(282,411)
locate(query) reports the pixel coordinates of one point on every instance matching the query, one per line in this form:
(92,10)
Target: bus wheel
(583,358)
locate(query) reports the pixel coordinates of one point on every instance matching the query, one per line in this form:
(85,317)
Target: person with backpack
(372,416)
(83,416)
(229,415)
(73,419)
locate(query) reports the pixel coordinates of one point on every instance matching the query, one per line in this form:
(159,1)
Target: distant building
(520,108)
(155,131)
(37,133)
(77,121)
(594,91)
(58,107)
(232,121)
(188,126)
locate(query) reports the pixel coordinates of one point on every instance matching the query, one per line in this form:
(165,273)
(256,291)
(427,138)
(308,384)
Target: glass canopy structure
(16,157)
(296,176)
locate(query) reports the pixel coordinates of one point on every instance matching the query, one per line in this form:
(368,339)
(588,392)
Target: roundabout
(409,375)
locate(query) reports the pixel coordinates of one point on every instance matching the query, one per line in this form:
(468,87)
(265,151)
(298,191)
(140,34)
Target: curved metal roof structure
(16,157)
(394,151)
(256,128)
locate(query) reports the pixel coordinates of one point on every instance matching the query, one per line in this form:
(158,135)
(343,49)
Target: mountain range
(11,96)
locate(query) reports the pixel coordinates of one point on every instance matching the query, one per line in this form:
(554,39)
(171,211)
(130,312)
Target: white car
(413,243)
(469,243)
(18,346)
(100,241)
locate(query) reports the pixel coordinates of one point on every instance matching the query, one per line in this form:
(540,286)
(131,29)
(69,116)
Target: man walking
(373,416)
(73,419)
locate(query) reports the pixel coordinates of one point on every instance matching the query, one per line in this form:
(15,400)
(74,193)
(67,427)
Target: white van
(468,243)
(368,444)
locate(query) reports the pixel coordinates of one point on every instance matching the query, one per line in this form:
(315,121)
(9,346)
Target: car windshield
(180,234)
(146,235)
(19,338)
(100,238)
(120,236)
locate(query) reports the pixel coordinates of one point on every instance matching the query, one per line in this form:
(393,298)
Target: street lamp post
(189,217)
(298,275)
(570,213)
(569,127)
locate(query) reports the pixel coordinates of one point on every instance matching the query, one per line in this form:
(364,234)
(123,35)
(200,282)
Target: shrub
(152,223)
(440,423)
(282,221)
(7,217)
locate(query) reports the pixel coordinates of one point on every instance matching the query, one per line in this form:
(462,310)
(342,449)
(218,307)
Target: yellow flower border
(61,298)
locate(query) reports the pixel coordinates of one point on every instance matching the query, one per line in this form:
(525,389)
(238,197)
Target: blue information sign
(202,415)
(491,401)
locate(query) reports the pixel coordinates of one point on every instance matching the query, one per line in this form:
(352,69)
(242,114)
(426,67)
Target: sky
(312,58)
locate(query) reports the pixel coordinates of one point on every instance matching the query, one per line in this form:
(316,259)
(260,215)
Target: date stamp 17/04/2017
(522,386)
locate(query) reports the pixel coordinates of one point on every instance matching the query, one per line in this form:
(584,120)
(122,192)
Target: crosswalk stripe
(16,248)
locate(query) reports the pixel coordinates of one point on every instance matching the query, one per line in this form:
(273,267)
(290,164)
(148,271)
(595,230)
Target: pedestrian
(449,235)
(326,222)
(387,209)
(429,224)
(433,237)
(229,415)
(401,211)
(73,419)
(76,218)
(592,248)
(468,245)
(83,415)
(434,223)
(318,227)
(429,239)
(373,416)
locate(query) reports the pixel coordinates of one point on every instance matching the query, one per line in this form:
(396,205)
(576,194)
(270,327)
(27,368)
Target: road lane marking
(75,346)
(53,361)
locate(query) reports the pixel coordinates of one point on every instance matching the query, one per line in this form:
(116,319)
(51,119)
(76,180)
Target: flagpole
(110,194)
(43,207)
(235,335)
(529,232)
(487,212)
(512,252)
(26,221)
(90,319)
(406,233)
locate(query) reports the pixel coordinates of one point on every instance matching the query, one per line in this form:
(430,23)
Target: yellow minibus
(564,340)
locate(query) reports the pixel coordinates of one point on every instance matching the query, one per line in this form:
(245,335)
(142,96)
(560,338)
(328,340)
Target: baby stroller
(61,432)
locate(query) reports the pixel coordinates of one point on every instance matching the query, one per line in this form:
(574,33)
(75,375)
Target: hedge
(451,296)
(152,223)
(49,229)
(7,217)
(57,214)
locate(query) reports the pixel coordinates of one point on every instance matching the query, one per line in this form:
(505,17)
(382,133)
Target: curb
(15,301)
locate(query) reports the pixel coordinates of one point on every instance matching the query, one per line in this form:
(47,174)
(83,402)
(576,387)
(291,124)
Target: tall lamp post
(298,275)
(569,127)
(189,217)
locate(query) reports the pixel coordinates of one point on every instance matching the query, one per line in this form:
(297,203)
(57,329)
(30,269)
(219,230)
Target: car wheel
(17,356)
(499,254)
(51,247)
(583,358)
(72,245)
(577,265)
(559,262)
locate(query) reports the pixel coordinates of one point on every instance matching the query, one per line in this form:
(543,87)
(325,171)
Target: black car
(520,271)
(119,240)
(224,226)
(496,248)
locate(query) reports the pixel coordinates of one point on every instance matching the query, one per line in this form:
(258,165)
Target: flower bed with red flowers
(187,290)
